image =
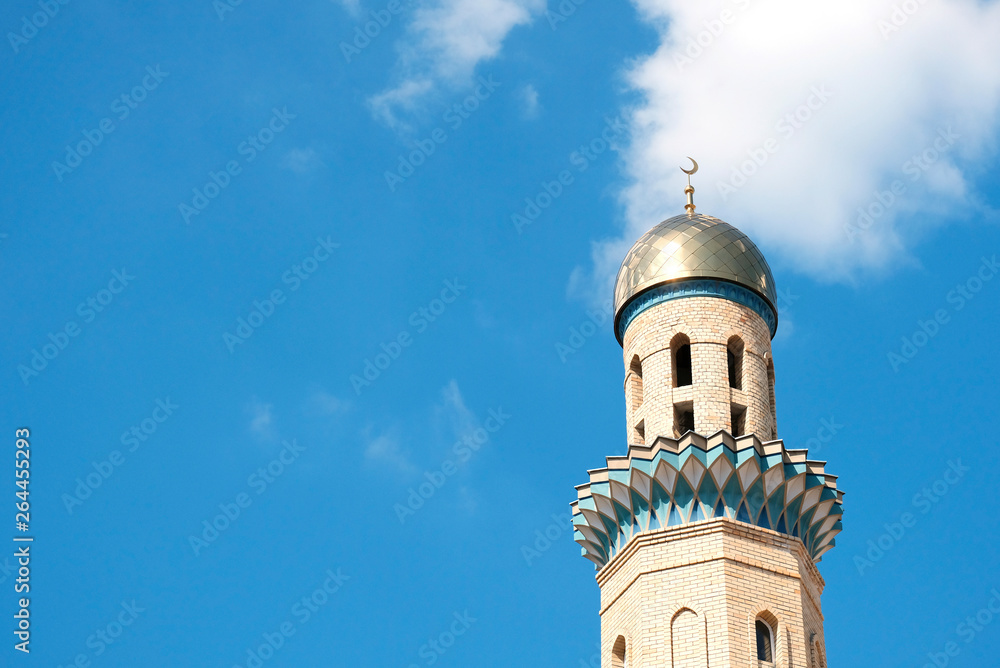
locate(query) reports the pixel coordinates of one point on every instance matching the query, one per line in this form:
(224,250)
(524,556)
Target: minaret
(707,532)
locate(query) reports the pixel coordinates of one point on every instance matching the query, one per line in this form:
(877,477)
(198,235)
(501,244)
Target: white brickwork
(709,324)
(689,597)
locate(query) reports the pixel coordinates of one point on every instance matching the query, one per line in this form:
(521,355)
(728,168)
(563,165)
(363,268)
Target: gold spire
(689,190)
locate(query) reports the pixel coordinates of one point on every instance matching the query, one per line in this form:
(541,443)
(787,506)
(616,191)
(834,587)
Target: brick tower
(707,532)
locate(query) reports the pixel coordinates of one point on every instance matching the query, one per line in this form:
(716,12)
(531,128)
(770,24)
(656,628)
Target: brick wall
(709,324)
(689,596)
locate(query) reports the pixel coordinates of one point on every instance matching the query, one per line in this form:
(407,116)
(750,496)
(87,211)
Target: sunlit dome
(694,246)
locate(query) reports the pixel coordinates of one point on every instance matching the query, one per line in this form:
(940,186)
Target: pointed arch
(734,361)
(819,654)
(770,396)
(634,388)
(765,638)
(688,639)
(680,347)
(635,381)
(619,653)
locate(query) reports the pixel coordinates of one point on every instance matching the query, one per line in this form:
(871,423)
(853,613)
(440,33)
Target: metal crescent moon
(692,170)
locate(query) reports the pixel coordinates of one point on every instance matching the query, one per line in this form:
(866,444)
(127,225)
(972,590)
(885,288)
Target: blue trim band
(696,288)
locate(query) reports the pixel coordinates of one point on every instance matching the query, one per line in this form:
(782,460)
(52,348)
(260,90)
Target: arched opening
(770,393)
(681,346)
(820,658)
(633,384)
(734,359)
(635,381)
(688,639)
(765,641)
(619,656)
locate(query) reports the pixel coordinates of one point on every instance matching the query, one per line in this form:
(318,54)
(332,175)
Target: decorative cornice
(678,482)
(696,288)
(718,525)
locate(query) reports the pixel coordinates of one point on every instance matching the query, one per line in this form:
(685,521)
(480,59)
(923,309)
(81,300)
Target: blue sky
(199,365)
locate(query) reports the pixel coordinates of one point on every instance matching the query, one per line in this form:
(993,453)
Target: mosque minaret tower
(706,534)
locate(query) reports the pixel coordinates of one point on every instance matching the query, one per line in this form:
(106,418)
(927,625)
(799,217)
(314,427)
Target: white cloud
(386,449)
(445,42)
(353,7)
(324,403)
(301,160)
(529,101)
(405,96)
(261,419)
(453,410)
(448,414)
(889,96)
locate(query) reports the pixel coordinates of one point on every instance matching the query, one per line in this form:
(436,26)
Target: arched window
(688,640)
(635,381)
(734,358)
(820,658)
(681,347)
(633,386)
(770,391)
(765,641)
(619,657)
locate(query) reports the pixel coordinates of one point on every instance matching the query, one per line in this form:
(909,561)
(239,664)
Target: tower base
(689,597)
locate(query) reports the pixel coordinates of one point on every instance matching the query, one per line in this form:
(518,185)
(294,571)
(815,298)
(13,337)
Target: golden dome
(693,246)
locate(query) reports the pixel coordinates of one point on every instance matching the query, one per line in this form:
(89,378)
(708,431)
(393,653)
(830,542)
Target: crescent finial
(689,190)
